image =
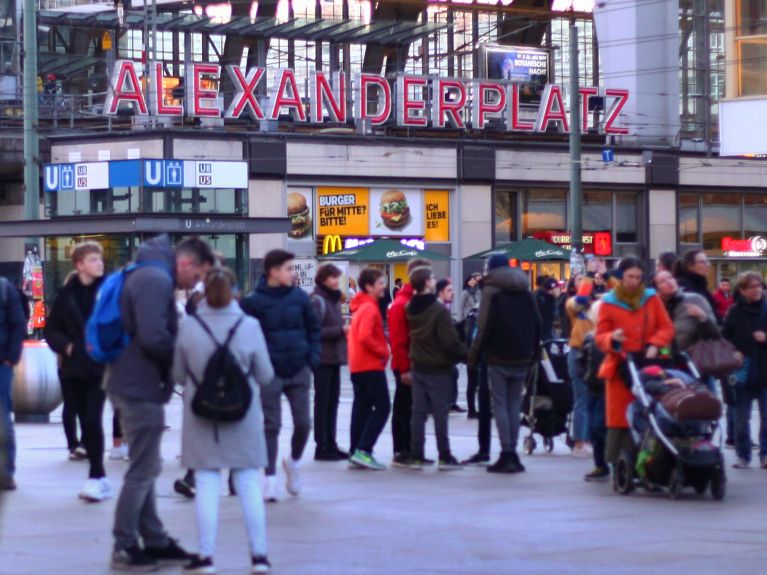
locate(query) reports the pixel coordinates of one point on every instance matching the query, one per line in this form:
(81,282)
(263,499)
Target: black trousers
(370,410)
(454,397)
(401,415)
(485,410)
(471,390)
(327,391)
(117,431)
(69,413)
(89,401)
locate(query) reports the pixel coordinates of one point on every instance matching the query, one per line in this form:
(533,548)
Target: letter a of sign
(286,96)
(552,109)
(125,87)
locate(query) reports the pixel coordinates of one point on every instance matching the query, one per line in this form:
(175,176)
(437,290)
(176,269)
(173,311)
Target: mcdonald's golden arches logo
(331,244)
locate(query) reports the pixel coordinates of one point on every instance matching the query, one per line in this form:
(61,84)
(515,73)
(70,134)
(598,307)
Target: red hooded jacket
(368,350)
(399,330)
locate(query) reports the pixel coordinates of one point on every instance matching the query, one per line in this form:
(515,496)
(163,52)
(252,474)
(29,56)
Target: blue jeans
(580,397)
(7,433)
(598,429)
(744,401)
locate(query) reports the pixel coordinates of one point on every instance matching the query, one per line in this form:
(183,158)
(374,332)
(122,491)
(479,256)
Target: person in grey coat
(693,317)
(239,445)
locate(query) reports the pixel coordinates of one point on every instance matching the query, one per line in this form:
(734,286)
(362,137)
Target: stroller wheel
(548,444)
(675,483)
(624,474)
(529,444)
(719,485)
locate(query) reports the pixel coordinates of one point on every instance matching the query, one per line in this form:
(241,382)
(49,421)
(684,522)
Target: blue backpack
(105,335)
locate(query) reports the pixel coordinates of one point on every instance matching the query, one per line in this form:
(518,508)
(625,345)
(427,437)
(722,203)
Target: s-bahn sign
(450,102)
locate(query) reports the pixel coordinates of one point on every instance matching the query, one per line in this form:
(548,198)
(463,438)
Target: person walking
(293,336)
(546,300)
(368,354)
(139,383)
(327,376)
(693,318)
(207,446)
(746,327)
(577,308)
(399,335)
(723,298)
(435,348)
(632,319)
(691,272)
(470,296)
(13,328)
(79,374)
(509,335)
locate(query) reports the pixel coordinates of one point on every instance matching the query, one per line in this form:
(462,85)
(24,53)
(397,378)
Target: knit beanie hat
(497,261)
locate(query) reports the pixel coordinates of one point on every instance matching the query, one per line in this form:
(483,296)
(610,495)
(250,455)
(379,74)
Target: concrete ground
(546,521)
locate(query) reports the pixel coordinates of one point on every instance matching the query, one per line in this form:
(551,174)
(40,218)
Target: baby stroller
(675,449)
(548,399)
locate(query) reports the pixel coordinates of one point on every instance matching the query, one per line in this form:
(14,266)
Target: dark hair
(668,260)
(85,248)
(629,263)
(683,264)
(417,263)
(325,272)
(540,280)
(368,277)
(219,287)
(198,249)
(726,280)
(443,283)
(275,258)
(398,281)
(420,277)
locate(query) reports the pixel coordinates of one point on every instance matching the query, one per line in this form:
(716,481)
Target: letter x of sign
(245,98)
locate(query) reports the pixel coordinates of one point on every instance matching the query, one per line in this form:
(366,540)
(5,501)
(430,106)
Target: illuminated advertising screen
(528,67)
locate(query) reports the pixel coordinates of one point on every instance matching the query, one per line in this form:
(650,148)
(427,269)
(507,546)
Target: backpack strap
(229,335)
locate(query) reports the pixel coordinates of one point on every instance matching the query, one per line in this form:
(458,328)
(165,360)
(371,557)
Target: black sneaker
(517,462)
(232,488)
(340,454)
(185,488)
(505,464)
(260,564)
(729,444)
(401,460)
(597,474)
(171,552)
(449,463)
(428,462)
(133,559)
(478,459)
(200,566)
(455,408)
(473,415)
(330,455)
(7,484)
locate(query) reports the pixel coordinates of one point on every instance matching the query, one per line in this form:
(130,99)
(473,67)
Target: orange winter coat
(648,325)
(368,349)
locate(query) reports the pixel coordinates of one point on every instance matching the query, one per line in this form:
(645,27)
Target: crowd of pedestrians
(234,358)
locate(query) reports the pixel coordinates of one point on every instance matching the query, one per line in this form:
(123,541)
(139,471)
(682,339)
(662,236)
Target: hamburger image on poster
(396,212)
(300,214)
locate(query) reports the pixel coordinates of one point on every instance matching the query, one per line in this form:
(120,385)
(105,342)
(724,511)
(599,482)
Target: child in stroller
(673,422)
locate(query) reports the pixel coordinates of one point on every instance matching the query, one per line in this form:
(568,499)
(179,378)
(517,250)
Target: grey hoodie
(141,373)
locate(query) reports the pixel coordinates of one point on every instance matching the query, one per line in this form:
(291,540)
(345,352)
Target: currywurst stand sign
(452,104)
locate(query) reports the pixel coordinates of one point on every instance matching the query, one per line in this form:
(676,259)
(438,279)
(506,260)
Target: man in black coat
(546,299)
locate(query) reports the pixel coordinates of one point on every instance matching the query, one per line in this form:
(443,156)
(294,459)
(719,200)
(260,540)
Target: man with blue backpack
(136,338)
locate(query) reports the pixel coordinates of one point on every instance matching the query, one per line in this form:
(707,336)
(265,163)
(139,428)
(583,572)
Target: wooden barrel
(36,387)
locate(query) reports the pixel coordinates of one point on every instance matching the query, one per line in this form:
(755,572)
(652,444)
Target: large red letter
(586,93)
(482,106)
(513,122)
(123,71)
(159,107)
(246,93)
(287,96)
(383,97)
(444,111)
(201,101)
(621,97)
(324,98)
(547,112)
(407,104)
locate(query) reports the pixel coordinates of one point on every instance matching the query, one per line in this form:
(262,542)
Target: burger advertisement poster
(396,212)
(300,213)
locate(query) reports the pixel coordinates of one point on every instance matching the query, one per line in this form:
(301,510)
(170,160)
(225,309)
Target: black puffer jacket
(66,326)
(741,322)
(327,306)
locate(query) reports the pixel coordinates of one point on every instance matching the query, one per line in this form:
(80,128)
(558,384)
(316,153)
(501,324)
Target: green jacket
(434,343)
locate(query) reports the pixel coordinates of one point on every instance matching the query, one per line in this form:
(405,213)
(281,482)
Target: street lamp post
(576,193)
(31,143)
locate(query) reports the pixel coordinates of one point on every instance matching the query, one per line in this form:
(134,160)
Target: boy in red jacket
(368,354)
(399,335)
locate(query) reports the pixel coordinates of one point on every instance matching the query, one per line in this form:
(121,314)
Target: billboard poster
(342,211)
(437,215)
(528,67)
(300,211)
(396,212)
(306,270)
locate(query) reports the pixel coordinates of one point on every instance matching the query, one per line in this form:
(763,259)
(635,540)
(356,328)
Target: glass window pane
(721,218)
(220,201)
(688,219)
(505,206)
(755,215)
(597,211)
(752,16)
(753,68)
(544,210)
(125,200)
(626,218)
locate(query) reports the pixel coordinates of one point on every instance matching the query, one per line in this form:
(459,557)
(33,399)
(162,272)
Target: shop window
(505,217)
(544,210)
(754,215)
(720,219)
(627,218)
(689,215)
(597,211)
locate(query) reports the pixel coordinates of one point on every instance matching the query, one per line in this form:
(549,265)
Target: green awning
(384,251)
(527,250)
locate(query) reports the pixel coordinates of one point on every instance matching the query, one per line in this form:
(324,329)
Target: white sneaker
(270,489)
(96,490)
(293,482)
(583,452)
(119,453)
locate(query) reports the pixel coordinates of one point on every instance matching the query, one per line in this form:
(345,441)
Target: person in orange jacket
(368,355)
(632,319)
